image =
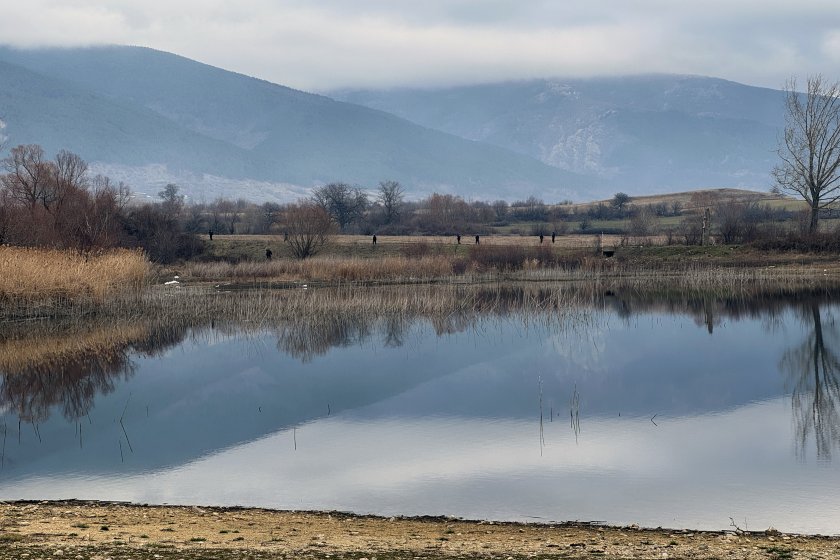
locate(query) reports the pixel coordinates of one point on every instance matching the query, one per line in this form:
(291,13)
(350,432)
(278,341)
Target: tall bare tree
(29,175)
(391,195)
(810,149)
(343,203)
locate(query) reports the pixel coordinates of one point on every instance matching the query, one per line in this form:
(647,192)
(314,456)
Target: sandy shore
(96,530)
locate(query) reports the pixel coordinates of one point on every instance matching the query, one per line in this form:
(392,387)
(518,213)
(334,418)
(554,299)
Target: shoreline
(96,529)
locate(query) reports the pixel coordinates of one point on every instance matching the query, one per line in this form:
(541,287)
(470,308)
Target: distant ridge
(640,134)
(154,117)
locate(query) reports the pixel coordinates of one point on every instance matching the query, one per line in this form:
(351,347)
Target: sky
(318,45)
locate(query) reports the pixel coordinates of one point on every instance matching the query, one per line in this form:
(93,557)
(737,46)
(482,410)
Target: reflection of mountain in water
(481,360)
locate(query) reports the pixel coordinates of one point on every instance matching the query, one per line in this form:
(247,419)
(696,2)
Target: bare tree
(69,179)
(391,195)
(343,203)
(642,222)
(28,176)
(308,227)
(500,207)
(99,221)
(810,150)
(173,202)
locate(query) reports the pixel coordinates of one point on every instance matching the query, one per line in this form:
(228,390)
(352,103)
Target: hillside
(57,115)
(133,109)
(640,134)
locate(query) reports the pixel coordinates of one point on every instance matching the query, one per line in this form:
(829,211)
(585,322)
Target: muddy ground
(95,530)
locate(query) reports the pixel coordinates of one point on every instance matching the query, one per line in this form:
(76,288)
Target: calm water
(653,413)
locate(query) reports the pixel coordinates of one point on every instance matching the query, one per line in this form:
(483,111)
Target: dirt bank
(93,530)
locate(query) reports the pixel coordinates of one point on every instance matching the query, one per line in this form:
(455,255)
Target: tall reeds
(29,275)
(327,269)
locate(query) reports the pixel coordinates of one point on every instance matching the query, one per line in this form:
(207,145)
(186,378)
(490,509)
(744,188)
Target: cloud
(323,44)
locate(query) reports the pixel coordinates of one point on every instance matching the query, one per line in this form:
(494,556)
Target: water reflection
(813,370)
(49,367)
(342,391)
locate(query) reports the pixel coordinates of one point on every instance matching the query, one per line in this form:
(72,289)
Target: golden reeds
(44,275)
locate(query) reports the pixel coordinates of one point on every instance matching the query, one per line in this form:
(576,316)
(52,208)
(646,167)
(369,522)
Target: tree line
(58,203)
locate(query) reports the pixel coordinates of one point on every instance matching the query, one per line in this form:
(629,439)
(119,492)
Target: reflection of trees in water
(813,370)
(73,385)
(316,336)
(395,327)
(710,310)
(72,368)
(307,339)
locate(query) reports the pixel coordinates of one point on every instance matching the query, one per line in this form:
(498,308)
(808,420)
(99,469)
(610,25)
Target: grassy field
(252,247)
(689,200)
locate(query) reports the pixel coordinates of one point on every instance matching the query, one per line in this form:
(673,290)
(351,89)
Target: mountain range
(636,133)
(150,117)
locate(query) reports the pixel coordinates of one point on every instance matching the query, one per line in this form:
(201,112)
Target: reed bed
(327,269)
(114,284)
(477,264)
(48,276)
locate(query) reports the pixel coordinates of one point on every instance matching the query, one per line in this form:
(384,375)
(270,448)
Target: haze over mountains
(150,117)
(636,133)
(130,107)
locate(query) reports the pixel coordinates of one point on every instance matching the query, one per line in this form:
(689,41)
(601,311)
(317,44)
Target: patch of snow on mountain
(146,181)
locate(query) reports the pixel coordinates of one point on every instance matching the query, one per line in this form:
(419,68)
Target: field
(694,200)
(252,247)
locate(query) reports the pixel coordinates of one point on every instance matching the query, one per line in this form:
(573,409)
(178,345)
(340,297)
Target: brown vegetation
(44,275)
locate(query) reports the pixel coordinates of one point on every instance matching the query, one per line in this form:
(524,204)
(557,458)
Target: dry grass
(327,269)
(42,275)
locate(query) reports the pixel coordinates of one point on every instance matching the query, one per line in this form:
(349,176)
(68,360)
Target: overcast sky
(324,44)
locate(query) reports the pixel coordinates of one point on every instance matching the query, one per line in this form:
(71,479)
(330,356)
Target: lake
(700,413)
